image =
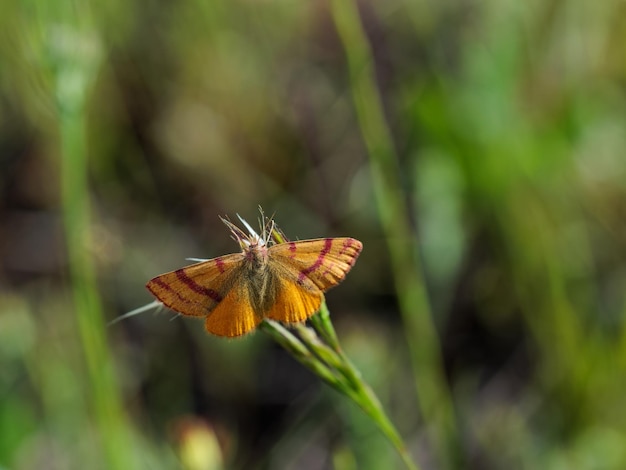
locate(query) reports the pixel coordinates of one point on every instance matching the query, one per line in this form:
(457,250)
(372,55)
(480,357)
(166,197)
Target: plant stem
(433,394)
(333,366)
(103,391)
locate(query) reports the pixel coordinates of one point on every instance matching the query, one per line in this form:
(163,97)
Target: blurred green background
(476,148)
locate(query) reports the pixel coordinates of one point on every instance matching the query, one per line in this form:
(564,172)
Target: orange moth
(270,278)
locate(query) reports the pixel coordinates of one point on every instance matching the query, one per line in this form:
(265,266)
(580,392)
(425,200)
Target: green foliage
(475,148)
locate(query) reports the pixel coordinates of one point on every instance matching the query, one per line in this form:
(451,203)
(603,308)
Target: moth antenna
(247,225)
(268,227)
(238,235)
(197,260)
(262,223)
(272,226)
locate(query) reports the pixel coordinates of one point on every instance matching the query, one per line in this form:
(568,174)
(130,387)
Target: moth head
(270,234)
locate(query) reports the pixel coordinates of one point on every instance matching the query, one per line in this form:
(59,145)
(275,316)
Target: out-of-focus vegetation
(478,149)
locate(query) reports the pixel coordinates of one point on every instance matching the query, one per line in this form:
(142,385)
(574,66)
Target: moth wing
(197,289)
(234,315)
(321,263)
(294,303)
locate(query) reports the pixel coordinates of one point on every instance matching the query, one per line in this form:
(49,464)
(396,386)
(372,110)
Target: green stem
(351,383)
(322,324)
(298,350)
(103,392)
(370,403)
(433,394)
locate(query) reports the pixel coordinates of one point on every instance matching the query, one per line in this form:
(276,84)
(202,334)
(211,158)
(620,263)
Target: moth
(270,278)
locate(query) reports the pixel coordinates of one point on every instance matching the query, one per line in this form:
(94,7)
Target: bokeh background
(477,148)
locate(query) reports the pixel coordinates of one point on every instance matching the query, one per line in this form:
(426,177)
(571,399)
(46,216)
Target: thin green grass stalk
(72,79)
(299,351)
(333,366)
(434,397)
(322,324)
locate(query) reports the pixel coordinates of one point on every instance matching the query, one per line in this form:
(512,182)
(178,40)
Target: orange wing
(234,315)
(316,264)
(197,289)
(293,302)
(303,270)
